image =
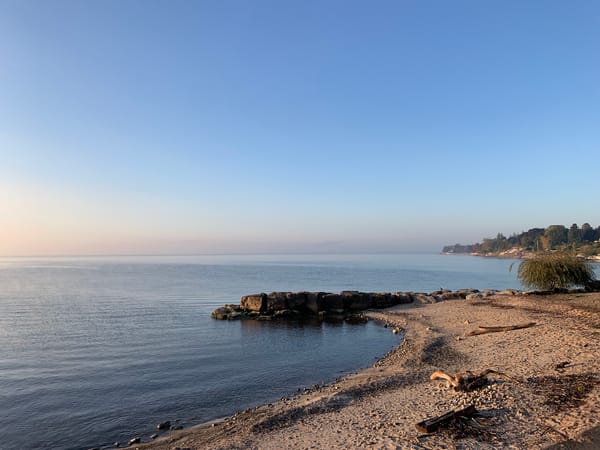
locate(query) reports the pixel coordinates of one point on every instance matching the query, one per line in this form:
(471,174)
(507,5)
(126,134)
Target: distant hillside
(585,241)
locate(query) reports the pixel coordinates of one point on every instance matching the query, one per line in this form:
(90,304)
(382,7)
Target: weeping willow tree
(555,271)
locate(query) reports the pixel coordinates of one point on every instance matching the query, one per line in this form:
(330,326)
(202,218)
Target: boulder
(355,301)
(296,300)
(402,297)
(286,313)
(255,302)
(449,295)
(235,316)
(314,302)
(276,301)
(593,286)
(330,302)
(164,425)
(424,298)
(382,300)
(225,312)
(489,292)
(464,292)
(356,318)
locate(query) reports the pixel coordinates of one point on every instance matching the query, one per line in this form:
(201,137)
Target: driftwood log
(466,381)
(433,423)
(485,330)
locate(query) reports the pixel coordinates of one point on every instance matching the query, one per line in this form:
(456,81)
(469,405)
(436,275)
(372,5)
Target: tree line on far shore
(584,240)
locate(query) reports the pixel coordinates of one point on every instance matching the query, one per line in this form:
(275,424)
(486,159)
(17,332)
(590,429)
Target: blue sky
(294,126)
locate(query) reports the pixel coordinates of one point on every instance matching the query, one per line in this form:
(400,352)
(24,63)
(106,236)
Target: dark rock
(464,292)
(296,300)
(135,440)
(117,444)
(332,302)
(154,436)
(489,292)
(356,301)
(261,317)
(164,425)
(402,297)
(424,298)
(224,312)
(449,295)
(593,286)
(356,318)
(382,300)
(276,301)
(255,302)
(314,302)
(285,314)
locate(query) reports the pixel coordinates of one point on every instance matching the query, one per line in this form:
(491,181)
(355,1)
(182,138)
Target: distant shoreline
(511,254)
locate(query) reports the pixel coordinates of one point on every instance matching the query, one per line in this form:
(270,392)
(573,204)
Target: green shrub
(555,271)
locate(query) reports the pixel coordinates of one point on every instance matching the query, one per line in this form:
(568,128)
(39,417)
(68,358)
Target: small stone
(154,436)
(117,444)
(164,425)
(135,440)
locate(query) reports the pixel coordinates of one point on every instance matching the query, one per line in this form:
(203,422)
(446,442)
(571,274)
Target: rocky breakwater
(325,305)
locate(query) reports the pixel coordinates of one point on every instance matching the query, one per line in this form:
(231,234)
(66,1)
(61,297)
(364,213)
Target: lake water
(95,350)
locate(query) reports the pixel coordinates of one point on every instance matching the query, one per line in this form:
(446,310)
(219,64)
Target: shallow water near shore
(100,349)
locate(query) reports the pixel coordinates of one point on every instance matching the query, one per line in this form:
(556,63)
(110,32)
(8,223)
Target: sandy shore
(550,399)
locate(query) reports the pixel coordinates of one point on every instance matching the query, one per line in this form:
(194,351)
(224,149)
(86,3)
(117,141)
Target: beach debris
(485,330)
(434,423)
(564,391)
(466,381)
(562,365)
(164,425)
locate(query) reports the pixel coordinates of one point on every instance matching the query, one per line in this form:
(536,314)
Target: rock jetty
(326,305)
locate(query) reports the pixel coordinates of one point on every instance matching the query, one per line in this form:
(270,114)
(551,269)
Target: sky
(181,127)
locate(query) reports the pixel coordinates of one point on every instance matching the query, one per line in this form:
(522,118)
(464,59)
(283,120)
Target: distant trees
(584,240)
(458,248)
(574,234)
(588,234)
(555,271)
(554,236)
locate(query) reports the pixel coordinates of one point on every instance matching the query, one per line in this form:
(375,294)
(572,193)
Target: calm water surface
(99,349)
